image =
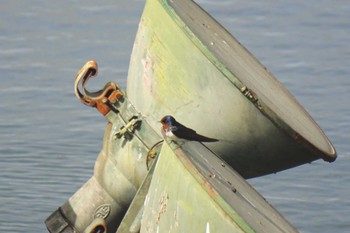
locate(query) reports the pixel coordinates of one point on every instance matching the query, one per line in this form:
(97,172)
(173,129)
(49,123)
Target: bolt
(104,100)
(114,100)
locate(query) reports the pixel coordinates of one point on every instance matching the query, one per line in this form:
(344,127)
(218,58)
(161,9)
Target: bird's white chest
(169,134)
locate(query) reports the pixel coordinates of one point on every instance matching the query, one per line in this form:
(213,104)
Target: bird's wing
(189,134)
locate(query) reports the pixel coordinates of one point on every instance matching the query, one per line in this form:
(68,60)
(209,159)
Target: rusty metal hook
(90,70)
(99,99)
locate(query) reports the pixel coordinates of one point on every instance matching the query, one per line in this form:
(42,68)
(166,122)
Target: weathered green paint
(187,190)
(192,190)
(180,68)
(173,72)
(176,202)
(131,222)
(119,171)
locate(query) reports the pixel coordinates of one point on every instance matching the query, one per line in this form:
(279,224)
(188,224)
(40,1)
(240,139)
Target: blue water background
(49,141)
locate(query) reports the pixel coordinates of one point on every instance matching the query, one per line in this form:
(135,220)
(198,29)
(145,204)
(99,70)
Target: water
(49,141)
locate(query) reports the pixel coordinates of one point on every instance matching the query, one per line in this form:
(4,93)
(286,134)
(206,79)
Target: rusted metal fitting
(98,225)
(153,153)
(103,99)
(250,94)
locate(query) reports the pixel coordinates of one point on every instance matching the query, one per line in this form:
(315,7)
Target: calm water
(49,141)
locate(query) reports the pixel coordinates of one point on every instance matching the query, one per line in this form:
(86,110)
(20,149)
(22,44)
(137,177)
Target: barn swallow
(174,130)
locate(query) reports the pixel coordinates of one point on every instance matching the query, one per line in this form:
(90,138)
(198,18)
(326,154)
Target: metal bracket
(251,96)
(103,99)
(128,130)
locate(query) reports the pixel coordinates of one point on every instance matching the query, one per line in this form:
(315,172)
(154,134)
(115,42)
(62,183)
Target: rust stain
(163,205)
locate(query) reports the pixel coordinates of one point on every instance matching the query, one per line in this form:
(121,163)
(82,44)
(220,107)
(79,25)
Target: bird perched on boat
(176,131)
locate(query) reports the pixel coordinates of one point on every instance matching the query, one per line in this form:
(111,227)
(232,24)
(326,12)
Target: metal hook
(99,99)
(153,153)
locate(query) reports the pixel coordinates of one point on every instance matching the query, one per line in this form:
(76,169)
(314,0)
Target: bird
(174,130)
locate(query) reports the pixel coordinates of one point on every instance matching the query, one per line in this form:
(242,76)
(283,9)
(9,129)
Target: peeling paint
(148,72)
(163,205)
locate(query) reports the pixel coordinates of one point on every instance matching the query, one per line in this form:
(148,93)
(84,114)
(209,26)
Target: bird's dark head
(168,120)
